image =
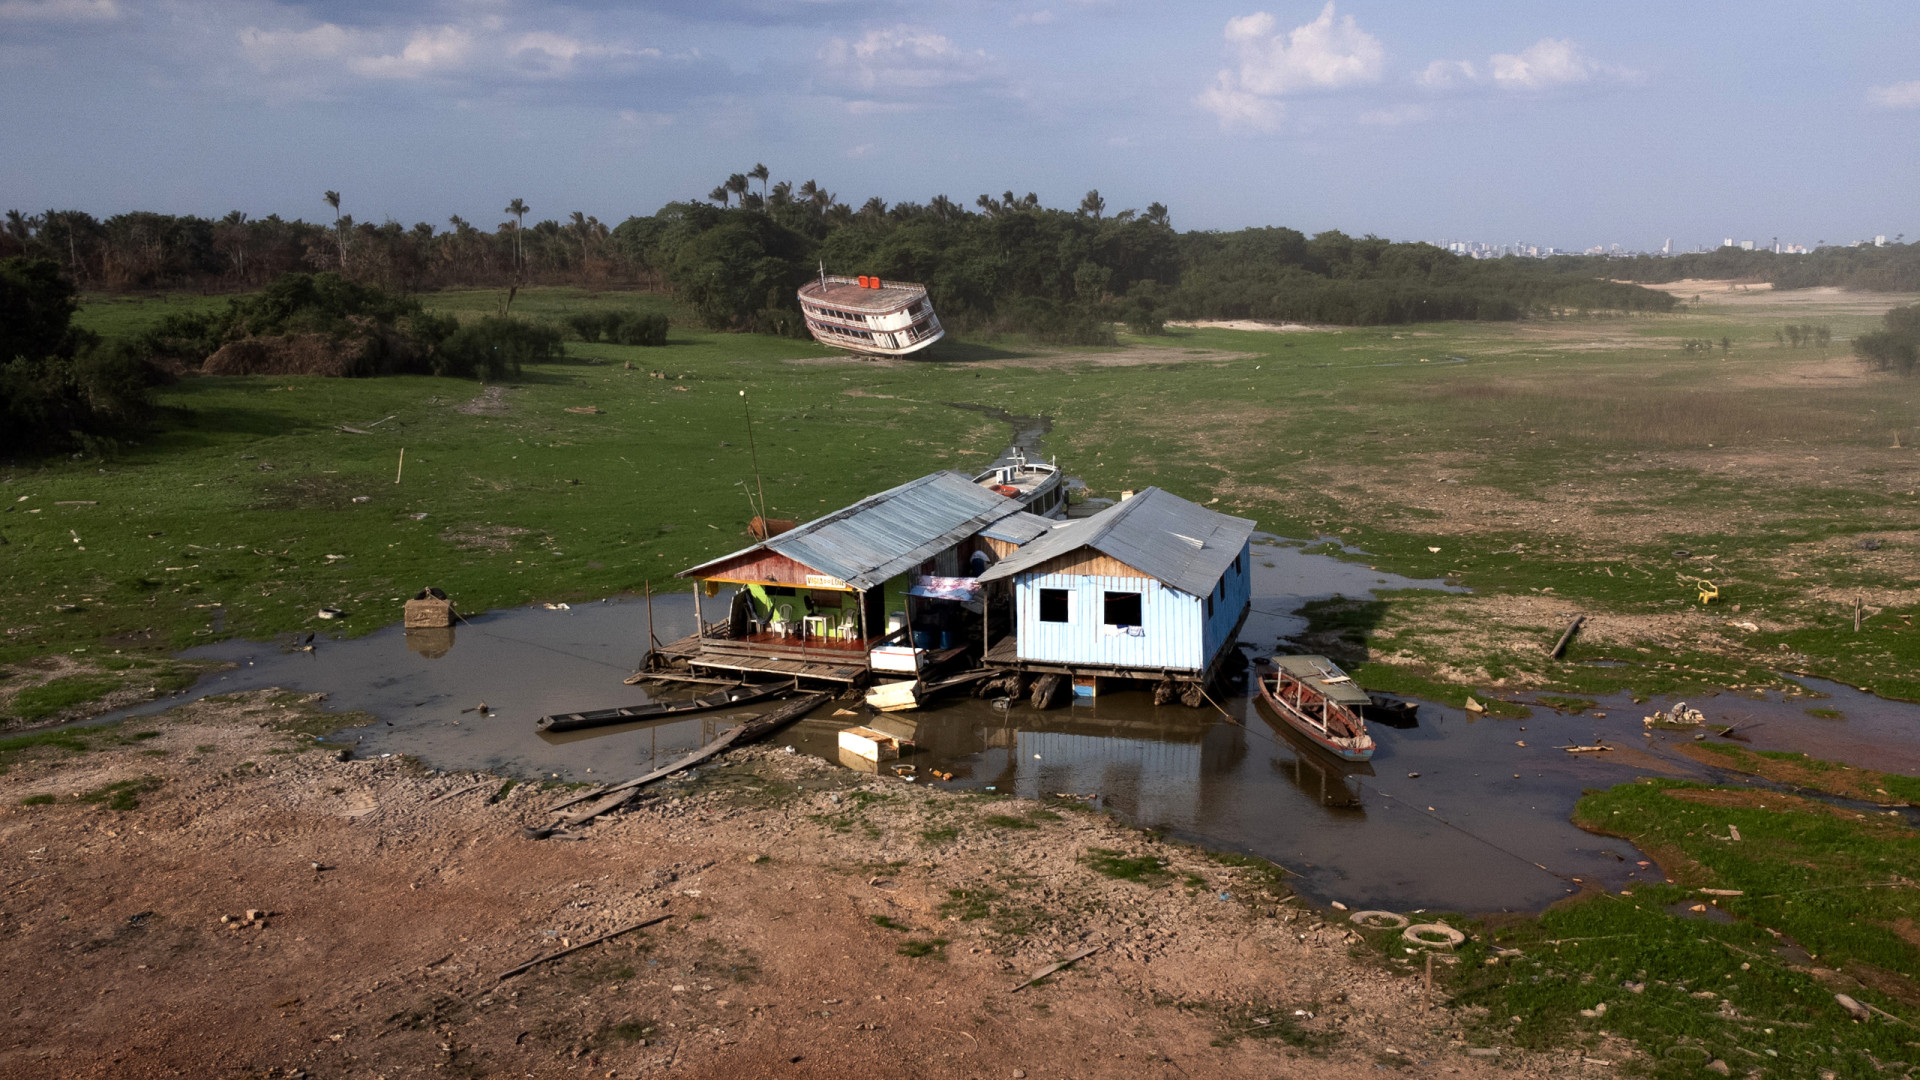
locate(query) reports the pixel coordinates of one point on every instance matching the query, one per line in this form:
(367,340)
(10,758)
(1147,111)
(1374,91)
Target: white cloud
(1904,95)
(59,10)
(1328,53)
(1545,64)
(440,50)
(1238,109)
(326,58)
(1447,74)
(901,59)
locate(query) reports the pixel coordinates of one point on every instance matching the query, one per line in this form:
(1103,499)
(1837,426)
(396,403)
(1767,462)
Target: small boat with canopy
(1319,701)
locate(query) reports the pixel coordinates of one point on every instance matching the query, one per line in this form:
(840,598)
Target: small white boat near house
(1036,485)
(869,315)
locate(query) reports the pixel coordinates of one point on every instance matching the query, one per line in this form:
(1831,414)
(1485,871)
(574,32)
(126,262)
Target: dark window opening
(1053,605)
(1123,609)
(1209,607)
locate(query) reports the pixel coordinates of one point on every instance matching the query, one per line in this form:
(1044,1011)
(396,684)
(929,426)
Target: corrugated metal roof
(886,534)
(1018,528)
(1182,544)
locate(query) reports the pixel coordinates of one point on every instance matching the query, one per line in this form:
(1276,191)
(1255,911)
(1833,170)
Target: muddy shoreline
(824,923)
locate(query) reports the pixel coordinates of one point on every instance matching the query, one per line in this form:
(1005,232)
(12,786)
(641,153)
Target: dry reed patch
(1259,326)
(491,402)
(1458,634)
(484,537)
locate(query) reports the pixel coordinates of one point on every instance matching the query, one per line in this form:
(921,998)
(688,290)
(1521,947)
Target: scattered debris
(511,972)
(586,410)
(1679,714)
(1051,968)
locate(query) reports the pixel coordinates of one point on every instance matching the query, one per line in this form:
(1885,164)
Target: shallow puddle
(1483,826)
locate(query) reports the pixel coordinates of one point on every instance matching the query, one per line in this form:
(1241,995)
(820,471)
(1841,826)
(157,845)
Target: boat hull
(1299,722)
(656,710)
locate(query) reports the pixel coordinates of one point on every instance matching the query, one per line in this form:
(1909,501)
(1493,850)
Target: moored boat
(1319,701)
(868,315)
(1036,485)
(744,694)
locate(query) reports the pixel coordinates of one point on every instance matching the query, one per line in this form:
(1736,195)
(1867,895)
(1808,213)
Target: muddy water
(1473,830)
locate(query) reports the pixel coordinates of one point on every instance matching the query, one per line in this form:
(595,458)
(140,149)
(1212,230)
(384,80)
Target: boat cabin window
(1209,607)
(1123,609)
(1053,605)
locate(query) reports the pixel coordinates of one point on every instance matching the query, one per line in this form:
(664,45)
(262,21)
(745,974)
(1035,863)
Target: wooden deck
(839,661)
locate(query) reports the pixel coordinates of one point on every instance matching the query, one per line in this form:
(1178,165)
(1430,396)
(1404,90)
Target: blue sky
(1557,123)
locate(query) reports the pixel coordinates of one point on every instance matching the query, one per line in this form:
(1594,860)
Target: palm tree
(737,183)
(720,194)
(1093,205)
(1157,215)
(518,208)
(332,199)
(759,172)
(782,194)
(584,231)
(874,209)
(943,208)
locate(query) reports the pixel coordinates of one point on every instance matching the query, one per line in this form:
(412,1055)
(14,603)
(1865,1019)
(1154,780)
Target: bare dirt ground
(268,910)
(1256,324)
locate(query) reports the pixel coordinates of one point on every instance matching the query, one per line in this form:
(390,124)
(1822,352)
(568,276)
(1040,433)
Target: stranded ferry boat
(868,315)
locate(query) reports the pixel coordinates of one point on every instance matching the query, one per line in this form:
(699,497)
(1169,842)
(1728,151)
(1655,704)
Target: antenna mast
(753,454)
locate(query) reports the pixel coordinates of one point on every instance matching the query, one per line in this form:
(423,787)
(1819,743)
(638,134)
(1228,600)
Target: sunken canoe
(744,694)
(1319,701)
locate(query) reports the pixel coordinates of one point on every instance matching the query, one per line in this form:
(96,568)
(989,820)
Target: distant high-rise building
(1667,248)
(1728,242)
(1746,245)
(1880,241)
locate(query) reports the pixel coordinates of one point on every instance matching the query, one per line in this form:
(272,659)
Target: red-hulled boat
(1319,701)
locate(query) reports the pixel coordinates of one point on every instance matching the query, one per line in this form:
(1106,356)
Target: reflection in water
(432,642)
(1451,813)
(1318,775)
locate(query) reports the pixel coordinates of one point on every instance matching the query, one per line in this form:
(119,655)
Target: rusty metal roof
(886,534)
(1182,544)
(847,293)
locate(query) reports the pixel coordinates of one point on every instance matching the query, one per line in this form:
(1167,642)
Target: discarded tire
(1433,935)
(1379,920)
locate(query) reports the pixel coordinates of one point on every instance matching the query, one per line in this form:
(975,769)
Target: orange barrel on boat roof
(863,282)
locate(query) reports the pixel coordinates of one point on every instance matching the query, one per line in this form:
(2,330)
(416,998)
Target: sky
(1537,121)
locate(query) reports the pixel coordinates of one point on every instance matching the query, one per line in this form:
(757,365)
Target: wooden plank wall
(1171,619)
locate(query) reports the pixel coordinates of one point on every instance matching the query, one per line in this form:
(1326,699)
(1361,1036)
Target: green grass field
(1554,465)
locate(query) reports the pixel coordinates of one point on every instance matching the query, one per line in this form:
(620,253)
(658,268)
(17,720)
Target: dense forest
(1004,263)
(1892,268)
(1001,264)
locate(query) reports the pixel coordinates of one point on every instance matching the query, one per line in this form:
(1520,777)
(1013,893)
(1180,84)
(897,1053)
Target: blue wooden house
(1153,587)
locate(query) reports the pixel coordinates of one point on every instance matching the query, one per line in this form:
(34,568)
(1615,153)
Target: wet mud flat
(1461,811)
(259,907)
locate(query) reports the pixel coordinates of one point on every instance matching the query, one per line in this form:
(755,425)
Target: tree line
(1894,267)
(1000,264)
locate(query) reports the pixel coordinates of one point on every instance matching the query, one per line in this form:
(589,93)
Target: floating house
(812,602)
(868,315)
(1154,587)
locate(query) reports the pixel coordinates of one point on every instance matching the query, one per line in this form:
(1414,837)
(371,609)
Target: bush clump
(620,327)
(495,347)
(60,389)
(1896,345)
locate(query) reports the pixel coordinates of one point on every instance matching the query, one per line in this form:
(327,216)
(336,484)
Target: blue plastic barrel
(949,639)
(923,639)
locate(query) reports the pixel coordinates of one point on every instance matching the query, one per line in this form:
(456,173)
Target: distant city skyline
(1567,123)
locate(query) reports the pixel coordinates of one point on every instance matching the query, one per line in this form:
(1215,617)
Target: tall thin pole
(753,454)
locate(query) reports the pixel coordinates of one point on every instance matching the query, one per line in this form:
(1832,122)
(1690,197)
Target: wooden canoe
(1321,702)
(743,694)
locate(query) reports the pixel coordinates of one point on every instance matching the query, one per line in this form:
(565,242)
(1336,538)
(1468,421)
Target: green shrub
(496,347)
